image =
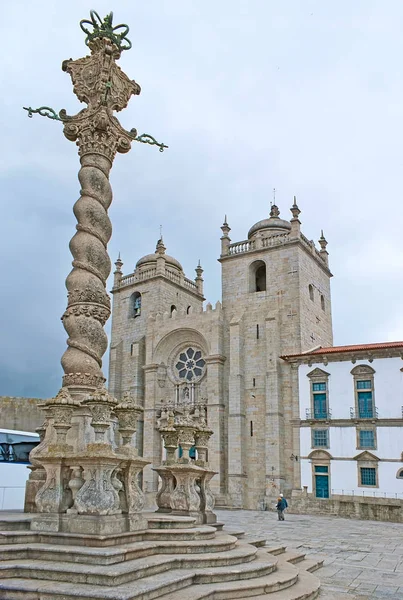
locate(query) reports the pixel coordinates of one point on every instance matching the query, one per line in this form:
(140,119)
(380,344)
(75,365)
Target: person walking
(285,501)
(280,508)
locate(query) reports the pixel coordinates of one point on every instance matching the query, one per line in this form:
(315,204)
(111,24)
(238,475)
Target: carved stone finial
(199,270)
(225,228)
(160,248)
(322,242)
(274,211)
(118,264)
(295,209)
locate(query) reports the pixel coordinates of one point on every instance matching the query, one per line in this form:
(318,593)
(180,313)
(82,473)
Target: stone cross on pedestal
(88,473)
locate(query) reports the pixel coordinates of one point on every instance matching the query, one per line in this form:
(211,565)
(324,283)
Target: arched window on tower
(310,288)
(257,276)
(173,307)
(135,305)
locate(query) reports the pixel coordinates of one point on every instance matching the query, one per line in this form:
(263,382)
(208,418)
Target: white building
(350,425)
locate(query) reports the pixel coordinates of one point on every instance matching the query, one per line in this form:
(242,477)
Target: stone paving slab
(363,559)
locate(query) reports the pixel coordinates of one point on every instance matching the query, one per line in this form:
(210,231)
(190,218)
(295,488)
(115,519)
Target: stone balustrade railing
(173,276)
(241,247)
(275,240)
(190,284)
(270,241)
(143,275)
(309,244)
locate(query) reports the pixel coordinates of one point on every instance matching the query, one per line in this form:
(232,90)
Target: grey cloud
(301,96)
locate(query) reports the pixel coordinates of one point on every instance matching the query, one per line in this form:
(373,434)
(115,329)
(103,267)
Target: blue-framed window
(368,476)
(319,392)
(365,399)
(320,438)
(367,438)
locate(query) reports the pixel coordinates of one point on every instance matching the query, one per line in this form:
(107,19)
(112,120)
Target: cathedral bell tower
(276,301)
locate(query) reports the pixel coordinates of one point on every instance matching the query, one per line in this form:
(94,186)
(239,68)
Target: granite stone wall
(22,414)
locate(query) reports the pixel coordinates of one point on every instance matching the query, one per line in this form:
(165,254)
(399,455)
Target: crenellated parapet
(209,312)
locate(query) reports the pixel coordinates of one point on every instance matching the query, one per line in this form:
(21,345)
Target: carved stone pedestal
(94,493)
(163,498)
(37,478)
(185,499)
(207,497)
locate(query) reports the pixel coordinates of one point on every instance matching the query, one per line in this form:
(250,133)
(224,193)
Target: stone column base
(88,524)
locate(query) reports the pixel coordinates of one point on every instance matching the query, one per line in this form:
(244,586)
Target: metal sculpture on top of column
(88,474)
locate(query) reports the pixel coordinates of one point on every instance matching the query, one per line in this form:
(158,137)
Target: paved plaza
(363,559)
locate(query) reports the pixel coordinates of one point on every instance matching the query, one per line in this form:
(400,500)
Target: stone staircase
(174,559)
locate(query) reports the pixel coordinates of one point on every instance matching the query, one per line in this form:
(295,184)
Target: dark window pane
(183,357)
(197,372)
(320,437)
(190,352)
(368,476)
(179,365)
(319,387)
(189,375)
(321,469)
(367,439)
(200,363)
(197,355)
(182,373)
(364,385)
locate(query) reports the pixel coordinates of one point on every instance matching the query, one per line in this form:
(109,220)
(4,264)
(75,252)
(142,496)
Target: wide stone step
(146,589)
(292,556)
(285,578)
(203,532)
(172,585)
(114,555)
(255,540)
(27,537)
(306,588)
(221,543)
(204,571)
(15,525)
(311,564)
(239,533)
(275,550)
(167,521)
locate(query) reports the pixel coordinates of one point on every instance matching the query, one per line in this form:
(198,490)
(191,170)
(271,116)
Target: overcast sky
(302,95)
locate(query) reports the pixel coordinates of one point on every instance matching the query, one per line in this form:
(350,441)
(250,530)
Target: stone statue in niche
(161,375)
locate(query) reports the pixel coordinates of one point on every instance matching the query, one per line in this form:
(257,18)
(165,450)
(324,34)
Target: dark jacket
(281,504)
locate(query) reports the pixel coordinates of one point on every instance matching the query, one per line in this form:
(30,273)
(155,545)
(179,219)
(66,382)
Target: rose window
(190,365)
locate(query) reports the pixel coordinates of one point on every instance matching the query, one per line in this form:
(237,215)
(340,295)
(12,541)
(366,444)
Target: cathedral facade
(167,347)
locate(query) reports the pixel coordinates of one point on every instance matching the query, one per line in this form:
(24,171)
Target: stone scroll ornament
(104,88)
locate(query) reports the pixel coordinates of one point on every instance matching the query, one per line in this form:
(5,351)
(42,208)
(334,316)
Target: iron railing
(363,414)
(313,415)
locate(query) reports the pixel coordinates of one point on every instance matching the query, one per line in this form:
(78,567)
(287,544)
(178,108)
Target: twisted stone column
(88,306)
(100,83)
